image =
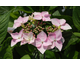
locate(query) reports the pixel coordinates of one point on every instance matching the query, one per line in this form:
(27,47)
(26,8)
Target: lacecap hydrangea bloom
(40,30)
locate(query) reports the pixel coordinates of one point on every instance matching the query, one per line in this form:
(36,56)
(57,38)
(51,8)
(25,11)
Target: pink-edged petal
(66,27)
(55,21)
(19,19)
(47,43)
(42,49)
(14,35)
(23,42)
(52,46)
(30,35)
(21,33)
(62,21)
(37,17)
(25,36)
(44,13)
(17,24)
(46,19)
(51,37)
(14,41)
(59,45)
(47,15)
(36,13)
(25,19)
(38,42)
(58,34)
(42,36)
(32,41)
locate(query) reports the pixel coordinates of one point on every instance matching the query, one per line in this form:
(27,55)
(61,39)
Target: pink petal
(55,21)
(25,19)
(19,19)
(51,37)
(32,41)
(42,36)
(62,21)
(37,15)
(47,43)
(42,49)
(23,42)
(46,19)
(14,41)
(14,35)
(44,13)
(59,45)
(47,15)
(52,46)
(25,36)
(17,24)
(38,42)
(66,27)
(21,33)
(30,34)
(58,34)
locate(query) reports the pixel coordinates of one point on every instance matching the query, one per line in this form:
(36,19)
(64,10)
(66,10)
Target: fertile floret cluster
(40,30)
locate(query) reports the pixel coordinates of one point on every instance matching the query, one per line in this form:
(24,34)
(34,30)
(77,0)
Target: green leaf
(56,13)
(52,7)
(30,8)
(70,51)
(50,54)
(76,17)
(4,9)
(76,55)
(71,41)
(4,19)
(6,50)
(31,47)
(26,57)
(21,8)
(76,34)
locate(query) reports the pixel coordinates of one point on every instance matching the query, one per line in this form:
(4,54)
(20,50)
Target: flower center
(19,37)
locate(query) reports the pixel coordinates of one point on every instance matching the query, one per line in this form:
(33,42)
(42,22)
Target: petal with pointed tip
(14,41)
(59,45)
(66,27)
(14,35)
(42,49)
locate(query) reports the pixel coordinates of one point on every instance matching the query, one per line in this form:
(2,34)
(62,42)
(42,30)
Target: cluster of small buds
(38,23)
(27,28)
(38,29)
(49,29)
